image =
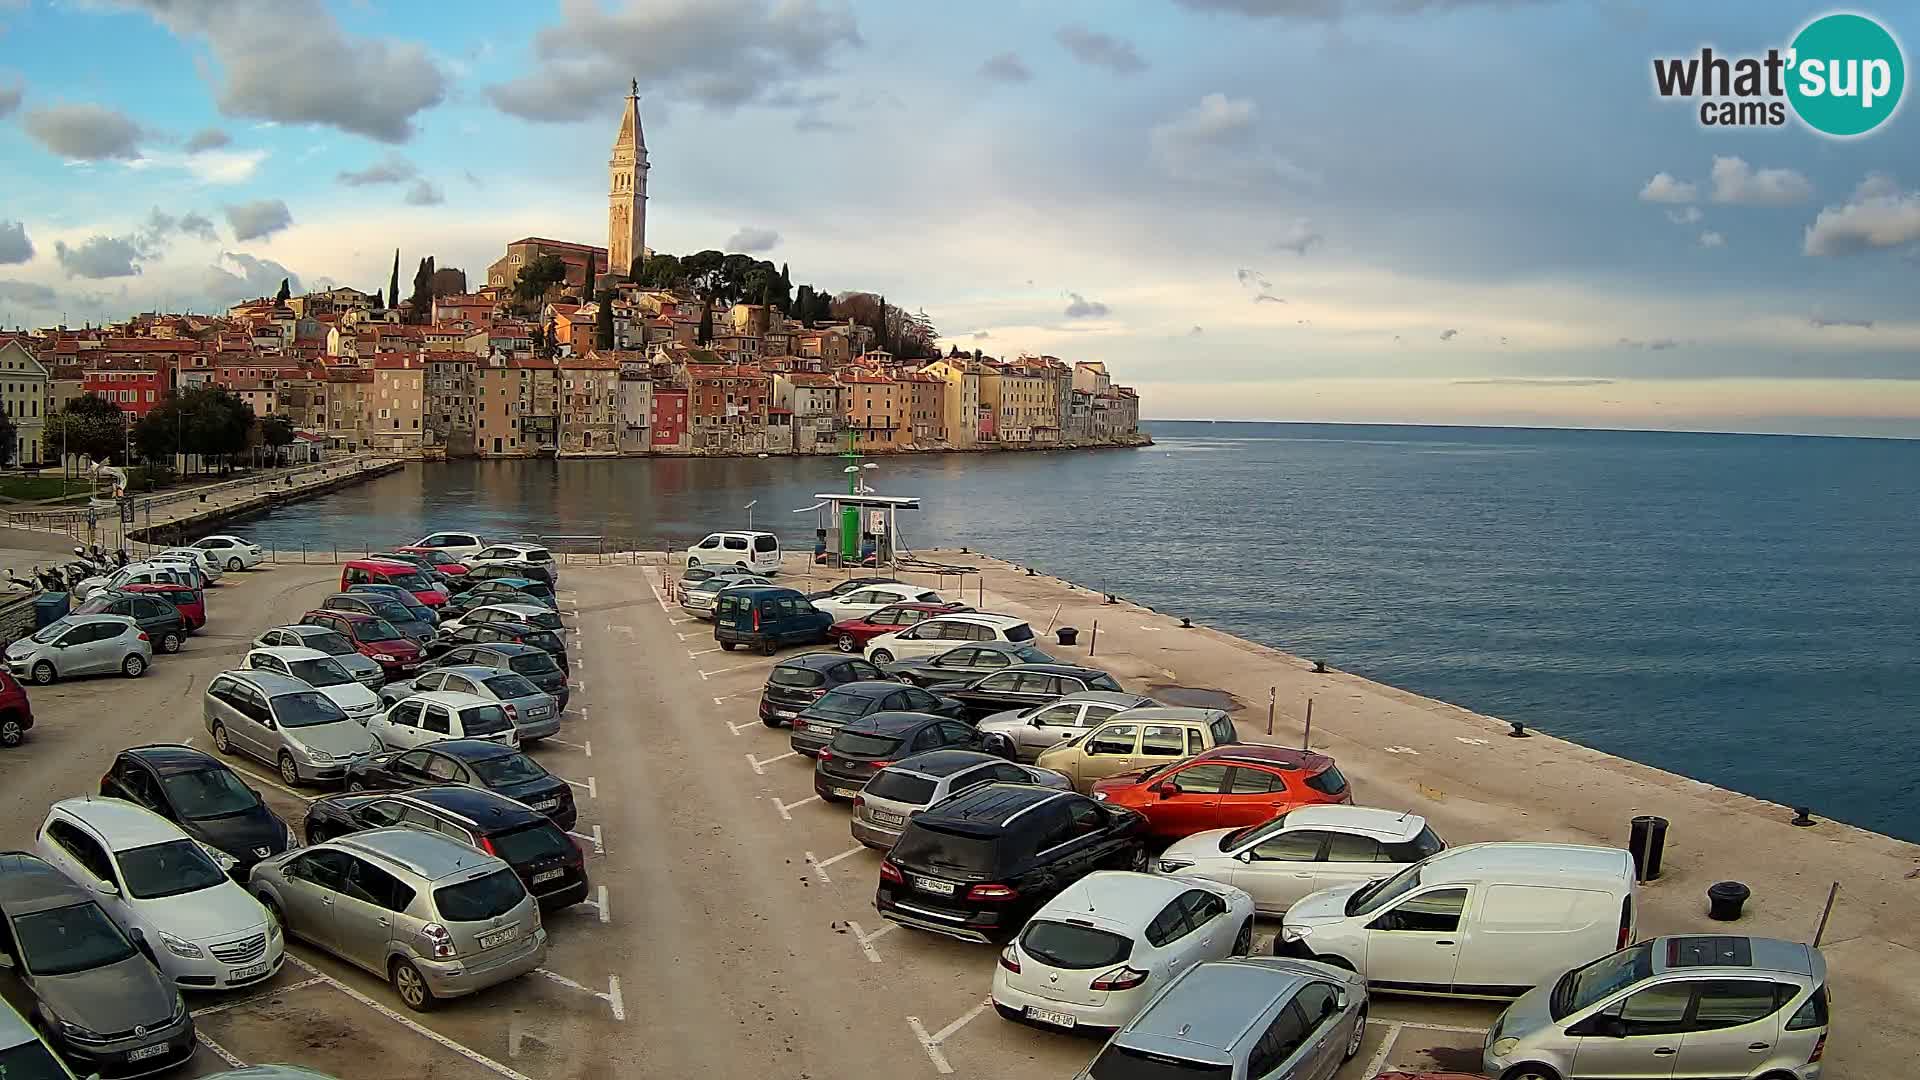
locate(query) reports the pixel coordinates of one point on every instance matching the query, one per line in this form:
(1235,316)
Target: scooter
(50,579)
(15,583)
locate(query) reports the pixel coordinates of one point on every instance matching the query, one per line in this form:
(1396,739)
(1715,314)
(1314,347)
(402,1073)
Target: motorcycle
(16,583)
(50,579)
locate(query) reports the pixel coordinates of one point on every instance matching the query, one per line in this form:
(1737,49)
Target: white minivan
(750,552)
(1485,920)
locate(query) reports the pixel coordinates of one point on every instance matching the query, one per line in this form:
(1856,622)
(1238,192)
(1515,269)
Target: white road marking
(1402,750)
(725,670)
(696,654)
(591,788)
(1423,1026)
(866,940)
(275,784)
(219,1051)
(684,637)
(737,728)
(600,903)
(585,747)
(188,741)
(931,1043)
(843,855)
(759,766)
(1469,742)
(674,619)
(1379,1060)
(410,1024)
(252,999)
(724,698)
(611,997)
(784,807)
(627,630)
(599,845)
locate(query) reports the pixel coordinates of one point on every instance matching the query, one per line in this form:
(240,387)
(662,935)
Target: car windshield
(543,620)
(386,607)
(1586,986)
(533,664)
(542,840)
(480,899)
(409,580)
(802,678)
(330,643)
(1073,946)
(52,630)
(1253,833)
(484,720)
(323,671)
(839,705)
(921,846)
(507,770)
(1103,682)
(1372,898)
(859,744)
(304,709)
(167,869)
(1125,1063)
(1030,655)
(376,630)
(31,1060)
(897,786)
(543,639)
(208,793)
(508,687)
(61,941)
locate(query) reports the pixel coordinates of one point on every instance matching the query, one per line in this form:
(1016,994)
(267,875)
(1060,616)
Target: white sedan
(234,552)
(1095,954)
(206,561)
(1303,851)
(323,673)
(871,598)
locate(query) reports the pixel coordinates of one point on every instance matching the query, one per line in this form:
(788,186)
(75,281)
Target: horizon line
(1536,427)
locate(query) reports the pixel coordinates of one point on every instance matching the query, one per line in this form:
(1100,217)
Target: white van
(1485,920)
(751,552)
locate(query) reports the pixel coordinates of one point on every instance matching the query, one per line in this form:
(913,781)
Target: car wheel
(769,647)
(355,785)
(11,733)
(1359,1036)
(43,674)
(727,645)
(692,561)
(289,773)
(273,906)
(1530,1071)
(220,741)
(170,642)
(133,666)
(881,656)
(847,643)
(233,565)
(1243,942)
(411,987)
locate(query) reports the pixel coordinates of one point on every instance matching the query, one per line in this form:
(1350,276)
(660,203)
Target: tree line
(207,422)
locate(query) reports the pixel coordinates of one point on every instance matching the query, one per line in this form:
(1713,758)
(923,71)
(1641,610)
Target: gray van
(284,722)
(436,917)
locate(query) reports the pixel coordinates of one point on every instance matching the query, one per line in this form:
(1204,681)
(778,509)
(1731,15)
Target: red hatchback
(852,635)
(191,602)
(443,563)
(377,572)
(373,637)
(16,715)
(1227,787)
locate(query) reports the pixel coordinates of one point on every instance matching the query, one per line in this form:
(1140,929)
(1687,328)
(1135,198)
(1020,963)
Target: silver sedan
(1020,734)
(534,713)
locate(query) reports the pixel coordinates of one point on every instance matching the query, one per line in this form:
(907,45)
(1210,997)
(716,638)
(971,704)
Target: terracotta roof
(562,244)
(395,362)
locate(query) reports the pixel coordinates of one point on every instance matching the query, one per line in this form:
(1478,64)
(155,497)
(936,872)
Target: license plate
(934,885)
(881,817)
(547,804)
(1047,1016)
(145,1052)
(548,875)
(538,714)
(498,937)
(845,792)
(251,971)
(785,714)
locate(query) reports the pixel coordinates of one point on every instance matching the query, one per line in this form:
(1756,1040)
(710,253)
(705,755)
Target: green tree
(276,433)
(535,278)
(89,425)
(663,272)
(587,291)
(9,440)
(803,306)
(421,302)
(393,284)
(286,291)
(378,302)
(603,322)
(701,271)
(706,322)
(637,269)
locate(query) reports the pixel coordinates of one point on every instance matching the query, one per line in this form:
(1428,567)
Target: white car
(871,598)
(512,553)
(1304,850)
(937,635)
(205,561)
(438,715)
(748,552)
(460,545)
(234,553)
(141,573)
(323,673)
(171,895)
(537,616)
(1094,955)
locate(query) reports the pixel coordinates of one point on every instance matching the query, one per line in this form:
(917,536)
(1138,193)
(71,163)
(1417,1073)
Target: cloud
(812,123)
(100,257)
(393,170)
(1449,335)
(1006,67)
(981,335)
(257,219)
(1095,49)
(239,276)
(197,225)
(1196,332)
(1822,322)
(289,62)
(752,239)
(15,245)
(1740,184)
(1518,380)
(1656,344)
(1662,344)
(1875,185)
(474,180)
(10,96)
(1217,119)
(1083,308)
(1252,278)
(1711,239)
(1298,237)
(207,139)
(1879,216)
(425,192)
(27,293)
(84,132)
(718,53)
(1688,216)
(1663,188)
(1216,142)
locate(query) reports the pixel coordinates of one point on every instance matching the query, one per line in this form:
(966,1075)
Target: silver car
(1021,734)
(81,645)
(436,917)
(701,596)
(284,722)
(535,714)
(1692,1007)
(1249,1018)
(911,785)
(328,640)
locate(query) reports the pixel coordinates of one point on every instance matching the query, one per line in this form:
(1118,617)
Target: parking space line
(584,747)
(255,998)
(737,667)
(611,997)
(822,865)
(600,904)
(722,699)
(219,1051)
(599,845)
(931,1043)
(1448,1029)
(1379,1059)
(785,807)
(737,728)
(591,788)
(759,766)
(674,619)
(410,1024)
(684,637)
(275,784)
(693,655)
(866,940)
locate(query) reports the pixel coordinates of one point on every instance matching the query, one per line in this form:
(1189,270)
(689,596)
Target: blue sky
(1388,210)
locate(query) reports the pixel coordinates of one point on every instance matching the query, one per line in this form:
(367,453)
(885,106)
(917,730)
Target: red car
(852,635)
(192,603)
(1225,788)
(16,715)
(443,563)
(408,577)
(373,637)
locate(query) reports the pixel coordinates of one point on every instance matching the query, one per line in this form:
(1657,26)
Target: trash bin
(48,607)
(1724,899)
(1067,634)
(1647,842)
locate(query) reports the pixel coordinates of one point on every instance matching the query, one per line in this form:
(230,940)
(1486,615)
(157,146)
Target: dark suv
(491,632)
(799,681)
(819,722)
(876,741)
(530,662)
(977,865)
(158,619)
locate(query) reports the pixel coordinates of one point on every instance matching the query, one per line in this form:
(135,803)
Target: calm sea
(1741,609)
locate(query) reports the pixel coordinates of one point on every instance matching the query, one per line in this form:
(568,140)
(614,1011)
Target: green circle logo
(1848,75)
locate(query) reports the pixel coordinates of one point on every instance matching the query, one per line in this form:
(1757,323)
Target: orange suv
(1225,788)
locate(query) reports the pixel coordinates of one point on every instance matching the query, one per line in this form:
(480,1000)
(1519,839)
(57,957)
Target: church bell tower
(627,190)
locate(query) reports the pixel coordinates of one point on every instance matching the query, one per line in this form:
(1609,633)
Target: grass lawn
(30,487)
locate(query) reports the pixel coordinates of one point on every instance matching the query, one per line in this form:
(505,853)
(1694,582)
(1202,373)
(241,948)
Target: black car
(975,866)
(421,563)
(518,633)
(404,619)
(877,740)
(850,585)
(817,724)
(1025,685)
(963,662)
(797,682)
(500,769)
(531,662)
(160,621)
(199,793)
(538,572)
(549,863)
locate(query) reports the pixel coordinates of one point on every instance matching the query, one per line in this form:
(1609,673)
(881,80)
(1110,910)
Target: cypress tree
(603,323)
(393,285)
(706,321)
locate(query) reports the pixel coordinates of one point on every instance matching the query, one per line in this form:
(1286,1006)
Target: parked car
(1692,1008)
(199,558)
(549,864)
(203,797)
(164,890)
(416,610)
(511,585)
(877,740)
(533,711)
(509,632)
(1239,784)
(819,722)
(481,594)
(163,624)
(866,601)
(1093,956)
(904,788)
(692,575)
(542,573)
(702,596)
(23,1052)
(439,715)
(190,603)
(1024,686)
(103,1006)
(375,638)
(442,562)
(535,615)
(1304,850)
(433,915)
(1021,734)
(235,553)
(964,662)
(408,577)
(284,722)
(81,645)
(534,664)
(16,712)
(797,682)
(190,566)
(490,765)
(364,669)
(765,617)
(841,588)
(1484,920)
(457,544)
(323,673)
(750,552)
(852,634)
(978,865)
(515,553)
(422,563)
(1243,1019)
(1136,739)
(146,573)
(398,615)
(937,635)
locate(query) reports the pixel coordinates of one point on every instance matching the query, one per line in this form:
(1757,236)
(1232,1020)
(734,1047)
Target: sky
(1420,211)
